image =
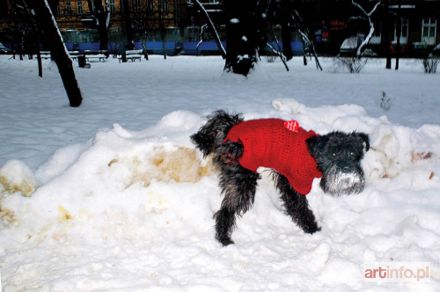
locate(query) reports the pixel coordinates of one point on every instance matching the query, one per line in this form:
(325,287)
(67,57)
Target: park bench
(96,55)
(73,55)
(99,58)
(45,54)
(132,55)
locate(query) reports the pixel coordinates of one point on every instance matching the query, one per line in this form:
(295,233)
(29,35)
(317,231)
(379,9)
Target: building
(419,23)
(143,19)
(332,21)
(178,24)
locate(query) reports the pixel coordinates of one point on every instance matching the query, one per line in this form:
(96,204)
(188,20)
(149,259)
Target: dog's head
(338,155)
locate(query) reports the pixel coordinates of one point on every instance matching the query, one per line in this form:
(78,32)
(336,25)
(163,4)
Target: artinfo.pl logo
(398,271)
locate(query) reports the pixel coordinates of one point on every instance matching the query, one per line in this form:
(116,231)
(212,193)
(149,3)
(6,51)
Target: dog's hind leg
(296,205)
(238,186)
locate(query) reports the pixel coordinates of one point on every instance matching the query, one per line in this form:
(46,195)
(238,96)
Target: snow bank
(15,176)
(133,211)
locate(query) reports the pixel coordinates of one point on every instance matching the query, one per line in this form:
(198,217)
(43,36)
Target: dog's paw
(311,228)
(225,241)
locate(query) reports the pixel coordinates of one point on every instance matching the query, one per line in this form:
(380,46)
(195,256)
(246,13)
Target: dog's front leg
(296,205)
(238,185)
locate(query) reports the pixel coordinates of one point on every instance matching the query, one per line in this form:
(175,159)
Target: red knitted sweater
(269,143)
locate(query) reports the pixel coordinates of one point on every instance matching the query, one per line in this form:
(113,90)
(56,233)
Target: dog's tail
(214,131)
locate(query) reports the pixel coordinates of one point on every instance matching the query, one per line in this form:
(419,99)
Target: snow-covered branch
(108,14)
(279,54)
(212,26)
(371,32)
(304,33)
(202,32)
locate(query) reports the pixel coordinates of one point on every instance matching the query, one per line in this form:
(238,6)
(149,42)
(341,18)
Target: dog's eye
(351,153)
(334,154)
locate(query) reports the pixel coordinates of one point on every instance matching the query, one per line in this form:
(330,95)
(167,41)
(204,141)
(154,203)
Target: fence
(175,41)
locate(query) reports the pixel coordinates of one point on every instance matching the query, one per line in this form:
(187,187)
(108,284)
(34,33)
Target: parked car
(4,49)
(436,50)
(350,45)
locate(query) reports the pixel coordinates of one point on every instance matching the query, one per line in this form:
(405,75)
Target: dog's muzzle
(345,181)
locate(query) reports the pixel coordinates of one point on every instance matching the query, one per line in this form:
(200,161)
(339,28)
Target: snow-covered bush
(385,101)
(430,64)
(352,64)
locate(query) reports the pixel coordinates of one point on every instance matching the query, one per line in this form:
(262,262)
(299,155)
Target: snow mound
(16,177)
(394,148)
(128,210)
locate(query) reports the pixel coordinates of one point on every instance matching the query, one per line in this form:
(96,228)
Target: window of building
(404,29)
(429,30)
(68,7)
(136,5)
(404,26)
(112,6)
(164,5)
(150,6)
(80,7)
(376,37)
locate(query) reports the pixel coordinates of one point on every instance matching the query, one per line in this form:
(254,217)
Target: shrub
(430,64)
(352,64)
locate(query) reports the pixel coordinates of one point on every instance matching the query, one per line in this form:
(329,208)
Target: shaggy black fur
(296,205)
(214,131)
(337,155)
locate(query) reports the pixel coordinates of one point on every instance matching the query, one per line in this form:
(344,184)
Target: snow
(234,20)
(113,196)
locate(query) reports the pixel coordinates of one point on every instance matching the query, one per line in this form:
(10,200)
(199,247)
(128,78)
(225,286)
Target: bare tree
(126,9)
(353,61)
(248,24)
(162,30)
(266,9)
(40,11)
(367,15)
(211,26)
(101,15)
(243,25)
(398,33)
(386,27)
(30,28)
(140,19)
(303,31)
(286,31)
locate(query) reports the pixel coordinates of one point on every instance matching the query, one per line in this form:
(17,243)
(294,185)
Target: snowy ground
(112,196)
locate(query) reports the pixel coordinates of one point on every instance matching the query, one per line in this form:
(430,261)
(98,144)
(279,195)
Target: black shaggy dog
(295,155)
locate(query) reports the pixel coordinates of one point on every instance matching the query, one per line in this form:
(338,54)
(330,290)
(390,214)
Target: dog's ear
(316,144)
(365,140)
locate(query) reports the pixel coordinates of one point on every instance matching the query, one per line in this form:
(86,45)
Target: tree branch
(367,39)
(279,54)
(304,36)
(212,27)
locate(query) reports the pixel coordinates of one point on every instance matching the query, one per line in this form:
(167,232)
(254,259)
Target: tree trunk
(398,33)
(52,36)
(162,31)
(386,34)
(128,28)
(285,29)
(241,35)
(101,15)
(40,64)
